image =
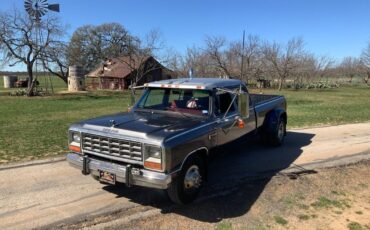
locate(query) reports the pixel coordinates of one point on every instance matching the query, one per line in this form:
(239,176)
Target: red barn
(119,73)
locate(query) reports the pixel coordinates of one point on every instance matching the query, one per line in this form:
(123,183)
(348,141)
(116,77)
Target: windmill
(36,9)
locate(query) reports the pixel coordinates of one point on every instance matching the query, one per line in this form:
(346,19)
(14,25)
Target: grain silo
(9,81)
(76,79)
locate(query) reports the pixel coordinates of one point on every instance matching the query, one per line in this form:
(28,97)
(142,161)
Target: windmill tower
(36,9)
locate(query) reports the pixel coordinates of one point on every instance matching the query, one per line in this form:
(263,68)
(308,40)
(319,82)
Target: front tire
(186,186)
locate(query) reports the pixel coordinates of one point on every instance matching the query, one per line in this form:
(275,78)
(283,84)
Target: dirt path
(52,194)
(333,199)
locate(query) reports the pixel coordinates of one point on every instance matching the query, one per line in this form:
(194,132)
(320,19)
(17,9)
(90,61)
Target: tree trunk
(350,78)
(280,84)
(31,83)
(367,78)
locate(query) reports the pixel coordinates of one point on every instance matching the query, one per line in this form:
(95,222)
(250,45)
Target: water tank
(9,81)
(76,79)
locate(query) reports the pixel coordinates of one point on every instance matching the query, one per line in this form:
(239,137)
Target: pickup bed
(165,139)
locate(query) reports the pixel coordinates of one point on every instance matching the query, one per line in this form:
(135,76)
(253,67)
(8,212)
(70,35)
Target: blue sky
(334,28)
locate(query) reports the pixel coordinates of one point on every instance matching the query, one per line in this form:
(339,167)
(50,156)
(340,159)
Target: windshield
(189,101)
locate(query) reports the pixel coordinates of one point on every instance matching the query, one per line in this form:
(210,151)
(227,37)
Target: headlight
(76,137)
(153,151)
(75,142)
(153,157)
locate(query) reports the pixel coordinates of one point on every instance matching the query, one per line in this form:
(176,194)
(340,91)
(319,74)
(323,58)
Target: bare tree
(139,58)
(215,49)
(350,67)
(251,57)
(365,64)
(20,42)
(196,59)
(283,61)
(323,66)
(54,60)
(175,62)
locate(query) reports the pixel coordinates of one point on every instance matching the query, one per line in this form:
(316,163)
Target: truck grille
(113,147)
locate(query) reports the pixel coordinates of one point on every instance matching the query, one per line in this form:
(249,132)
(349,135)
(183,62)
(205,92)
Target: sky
(335,28)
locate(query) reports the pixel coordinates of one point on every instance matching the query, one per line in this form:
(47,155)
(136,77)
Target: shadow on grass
(238,174)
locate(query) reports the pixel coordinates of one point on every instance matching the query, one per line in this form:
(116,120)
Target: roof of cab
(195,83)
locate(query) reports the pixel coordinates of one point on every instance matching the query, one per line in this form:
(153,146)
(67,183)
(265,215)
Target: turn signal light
(152,165)
(241,123)
(75,148)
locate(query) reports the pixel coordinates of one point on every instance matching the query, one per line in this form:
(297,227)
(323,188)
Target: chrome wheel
(281,131)
(192,179)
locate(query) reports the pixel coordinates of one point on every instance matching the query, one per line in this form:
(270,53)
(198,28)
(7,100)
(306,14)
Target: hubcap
(281,131)
(192,179)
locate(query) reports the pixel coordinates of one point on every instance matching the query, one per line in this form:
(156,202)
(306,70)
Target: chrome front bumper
(124,174)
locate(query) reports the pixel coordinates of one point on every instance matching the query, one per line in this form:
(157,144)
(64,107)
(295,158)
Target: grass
(280,220)
(326,107)
(303,217)
(323,202)
(224,225)
(354,226)
(36,127)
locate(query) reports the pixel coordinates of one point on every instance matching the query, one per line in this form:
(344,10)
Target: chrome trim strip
(267,102)
(120,159)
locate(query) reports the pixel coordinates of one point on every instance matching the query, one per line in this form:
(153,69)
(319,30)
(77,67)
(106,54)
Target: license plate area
(107,177)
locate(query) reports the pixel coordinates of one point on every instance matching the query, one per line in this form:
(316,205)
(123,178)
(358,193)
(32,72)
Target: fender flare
(272,119)
(189,155)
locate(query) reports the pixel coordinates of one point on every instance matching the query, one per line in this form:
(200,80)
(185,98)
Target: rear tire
(277,135)
(187,184)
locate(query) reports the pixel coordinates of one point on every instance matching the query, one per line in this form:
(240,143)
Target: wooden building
(119,73)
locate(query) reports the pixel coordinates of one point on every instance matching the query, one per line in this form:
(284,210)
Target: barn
(119,73)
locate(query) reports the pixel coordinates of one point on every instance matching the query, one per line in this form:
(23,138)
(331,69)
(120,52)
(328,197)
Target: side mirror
(243,105)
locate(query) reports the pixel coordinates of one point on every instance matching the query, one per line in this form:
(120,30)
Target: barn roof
(119,67)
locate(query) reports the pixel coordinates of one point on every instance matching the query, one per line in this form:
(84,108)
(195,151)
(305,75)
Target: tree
(250,55)
(91,45)
(55,60)
(139,57)
(283,61)
(365,64)
(350,67)
(215,49)
(199,61)
(20,42)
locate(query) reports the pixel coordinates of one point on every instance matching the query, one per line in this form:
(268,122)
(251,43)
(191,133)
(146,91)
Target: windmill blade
(54,7)
(43,11)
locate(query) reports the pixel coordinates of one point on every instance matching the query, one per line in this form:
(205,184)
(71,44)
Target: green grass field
(326,107)
(36,127)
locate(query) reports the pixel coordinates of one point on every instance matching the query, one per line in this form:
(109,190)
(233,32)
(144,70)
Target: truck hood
(155,126)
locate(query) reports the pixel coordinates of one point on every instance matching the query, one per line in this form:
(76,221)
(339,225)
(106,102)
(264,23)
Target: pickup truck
(165,138)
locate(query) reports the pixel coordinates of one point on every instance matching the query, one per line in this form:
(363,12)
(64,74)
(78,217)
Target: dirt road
(51,194)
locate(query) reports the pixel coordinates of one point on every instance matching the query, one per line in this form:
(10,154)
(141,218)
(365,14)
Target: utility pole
(242,65)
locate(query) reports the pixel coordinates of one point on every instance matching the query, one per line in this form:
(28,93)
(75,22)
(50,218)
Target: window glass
(223,102)
(177,100)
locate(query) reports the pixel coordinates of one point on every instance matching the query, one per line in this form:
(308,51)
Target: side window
(223,102)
